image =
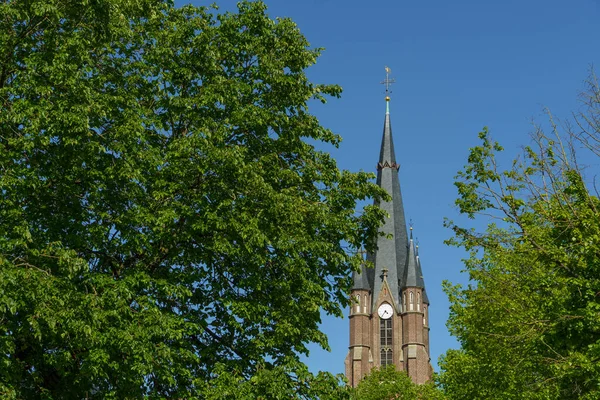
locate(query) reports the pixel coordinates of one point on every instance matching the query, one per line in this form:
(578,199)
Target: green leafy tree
(387,383)
(529,321)
(167,227)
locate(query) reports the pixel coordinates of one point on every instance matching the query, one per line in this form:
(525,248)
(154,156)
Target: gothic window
(412,301)
(385,341)
(386,357)
(365,304)
(404,302)
(425,315)
(357,305)
(418,301)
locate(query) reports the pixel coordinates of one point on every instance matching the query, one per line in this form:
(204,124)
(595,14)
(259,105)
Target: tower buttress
(416,334)
(359,360)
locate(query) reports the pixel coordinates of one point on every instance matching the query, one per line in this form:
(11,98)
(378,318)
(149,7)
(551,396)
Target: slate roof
(361,280)
(411,273)
(420,274)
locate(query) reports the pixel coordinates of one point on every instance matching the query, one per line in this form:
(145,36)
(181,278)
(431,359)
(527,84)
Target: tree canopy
(167,226)
(386,383)
(529,321)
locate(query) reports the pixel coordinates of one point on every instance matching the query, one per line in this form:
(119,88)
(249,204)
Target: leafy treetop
(167,226)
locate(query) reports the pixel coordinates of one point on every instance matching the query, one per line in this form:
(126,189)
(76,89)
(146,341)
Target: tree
(529,321)
(167,226)
(387,383)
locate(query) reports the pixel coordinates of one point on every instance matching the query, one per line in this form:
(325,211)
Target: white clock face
(385,311)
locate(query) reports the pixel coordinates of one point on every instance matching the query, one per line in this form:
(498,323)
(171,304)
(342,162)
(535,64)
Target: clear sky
(459,65)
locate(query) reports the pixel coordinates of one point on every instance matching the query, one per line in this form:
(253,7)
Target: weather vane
(387,82)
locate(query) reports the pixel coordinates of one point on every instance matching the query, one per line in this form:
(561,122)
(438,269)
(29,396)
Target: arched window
(404,302)
(418,301)
(365,304)
(387,357)
(357,305)
(412,301)
(385,341)
(424,315)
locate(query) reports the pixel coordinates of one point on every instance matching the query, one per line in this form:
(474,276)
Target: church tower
(389,311)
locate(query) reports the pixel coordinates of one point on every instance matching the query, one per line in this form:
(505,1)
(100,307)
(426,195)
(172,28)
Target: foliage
(167,227)
(529,321)
(387,383)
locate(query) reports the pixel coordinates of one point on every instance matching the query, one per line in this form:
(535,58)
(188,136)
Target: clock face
(385,311)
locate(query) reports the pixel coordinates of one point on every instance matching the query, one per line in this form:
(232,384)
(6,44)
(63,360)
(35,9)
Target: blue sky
(459,65)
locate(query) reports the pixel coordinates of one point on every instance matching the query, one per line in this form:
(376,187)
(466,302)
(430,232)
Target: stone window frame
(386,340)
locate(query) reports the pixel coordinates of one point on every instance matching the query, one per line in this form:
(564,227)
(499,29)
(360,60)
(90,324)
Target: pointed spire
(391,252)
(411,275)
(420,271)
(360,279)
(414,274)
